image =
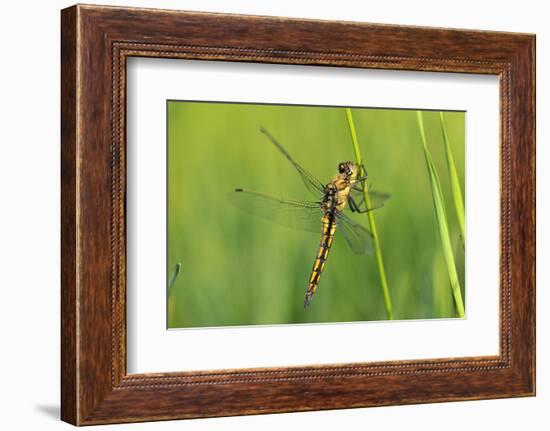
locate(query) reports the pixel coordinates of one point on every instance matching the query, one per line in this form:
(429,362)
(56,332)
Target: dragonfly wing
(376,199)
(358,237)
(313,184)
(295,214)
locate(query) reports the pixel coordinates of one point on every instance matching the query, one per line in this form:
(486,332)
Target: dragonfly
(344,193)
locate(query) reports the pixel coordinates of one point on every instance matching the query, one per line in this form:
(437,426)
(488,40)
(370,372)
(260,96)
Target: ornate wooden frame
(95,43)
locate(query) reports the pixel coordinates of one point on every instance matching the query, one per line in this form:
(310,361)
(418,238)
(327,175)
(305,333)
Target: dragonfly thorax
(339,188)
(330,198)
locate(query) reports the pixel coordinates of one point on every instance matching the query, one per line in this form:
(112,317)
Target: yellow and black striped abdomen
(327,235)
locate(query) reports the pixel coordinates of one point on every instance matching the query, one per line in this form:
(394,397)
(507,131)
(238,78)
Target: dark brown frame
(95,43)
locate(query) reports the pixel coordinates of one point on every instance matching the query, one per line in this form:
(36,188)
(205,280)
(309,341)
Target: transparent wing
(313,184)
(358,237)
(376,199)
(290,213)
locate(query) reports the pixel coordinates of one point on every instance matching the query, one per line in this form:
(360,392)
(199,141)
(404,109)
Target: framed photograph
(264,215)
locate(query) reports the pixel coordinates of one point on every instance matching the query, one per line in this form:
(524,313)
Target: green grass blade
(455,182)
(441,218)
(173,277)
(372,224)
(173,315)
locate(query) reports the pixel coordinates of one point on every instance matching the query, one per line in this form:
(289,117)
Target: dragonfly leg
(364,171)
(354,207)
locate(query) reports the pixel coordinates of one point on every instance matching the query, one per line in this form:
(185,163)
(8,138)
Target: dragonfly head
(349,169)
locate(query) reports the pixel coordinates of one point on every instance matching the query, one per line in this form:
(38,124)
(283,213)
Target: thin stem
(441,218)
(372,224)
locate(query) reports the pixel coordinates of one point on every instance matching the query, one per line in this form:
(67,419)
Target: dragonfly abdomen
(327,235)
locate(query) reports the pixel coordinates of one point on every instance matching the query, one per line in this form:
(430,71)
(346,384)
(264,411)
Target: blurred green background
(238,269)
